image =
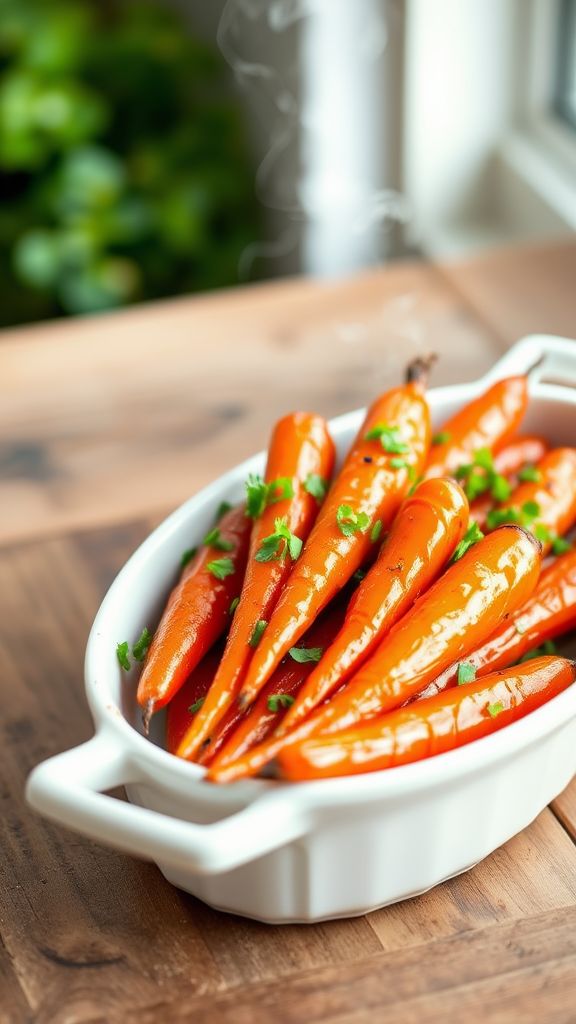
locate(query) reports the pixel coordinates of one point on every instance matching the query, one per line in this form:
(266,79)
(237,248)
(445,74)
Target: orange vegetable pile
(405,606)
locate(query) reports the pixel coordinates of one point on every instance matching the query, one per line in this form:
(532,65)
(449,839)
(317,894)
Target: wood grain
(86,929)
(520,290)
(104,424)
(112,417)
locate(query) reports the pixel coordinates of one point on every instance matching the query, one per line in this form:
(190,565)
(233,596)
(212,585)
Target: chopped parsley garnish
(399,463)
(316,485)
(442,437)
(122,655)
(530,474)
(480,476)
(389,438)
(257,633)
(280,543)
(222,509)
(466,672)
(196,705)
(304,654)
(376,531)
(140,648)
(359,575)
(350,522)
(187,556)
(524,516)
(213,539)
(495,709)
(259,495)
(233,605)
(560,546)
(221,568)
(279,700)
(472,536)
(548,647)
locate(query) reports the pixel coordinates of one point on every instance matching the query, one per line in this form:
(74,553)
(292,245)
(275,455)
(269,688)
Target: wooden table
(105,424)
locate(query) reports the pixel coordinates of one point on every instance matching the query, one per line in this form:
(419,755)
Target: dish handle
(69,789)
(545,355)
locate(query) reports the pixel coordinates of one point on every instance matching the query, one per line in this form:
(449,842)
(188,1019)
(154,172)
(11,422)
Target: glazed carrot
(387,453)
(522,454)
(524,450)
(239,731)
(548,613)
(185,704)
(300,461)
(197,612)
(458,612)
(443,723)
(487,422)
(546,505)
(430,524)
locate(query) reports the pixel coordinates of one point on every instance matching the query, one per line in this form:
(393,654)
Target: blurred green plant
(123,170)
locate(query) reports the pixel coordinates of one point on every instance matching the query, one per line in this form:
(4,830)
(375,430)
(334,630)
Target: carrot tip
(147,715)
(418,371)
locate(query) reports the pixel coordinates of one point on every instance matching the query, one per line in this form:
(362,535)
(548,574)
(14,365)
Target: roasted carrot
(300,462)
(443,723)
(429,525)
(487,422)
(187,702)
(547,504)
(523,451)
(388,452)
(548,613)
(458,612)
(197,612)
(241,730)
(518,457)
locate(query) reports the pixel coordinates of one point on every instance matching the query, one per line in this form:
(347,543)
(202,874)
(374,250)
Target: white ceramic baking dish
(308,851)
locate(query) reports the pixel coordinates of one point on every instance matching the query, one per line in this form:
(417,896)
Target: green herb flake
(316,485)
(259,495)
(466,672)
(443,437)
(222,509)
(472,536)
(196,705)
(279,700)
(542,533)
(277,545)
(304,654)
(495,709)
(256,495)
(530,511)
(257,633)
(389,438)
(350,522)
(500,488)
(279,490)
(221,568)
(498,516)
(140,648)
(187,556)
(530,474)
(548,647)
(233,605)
(560,546)
(376,531)
(122,655)
(359,575)
(214,539)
